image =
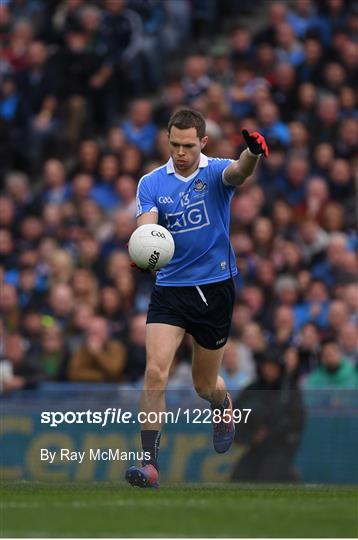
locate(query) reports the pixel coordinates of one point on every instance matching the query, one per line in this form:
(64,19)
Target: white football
(151,247)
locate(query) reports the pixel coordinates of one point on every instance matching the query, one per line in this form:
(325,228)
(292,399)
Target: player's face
(185,147)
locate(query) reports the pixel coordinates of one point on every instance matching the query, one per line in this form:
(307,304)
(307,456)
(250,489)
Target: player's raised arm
(236,173)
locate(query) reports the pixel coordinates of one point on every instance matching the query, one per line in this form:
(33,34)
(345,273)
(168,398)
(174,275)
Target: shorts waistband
(206,287)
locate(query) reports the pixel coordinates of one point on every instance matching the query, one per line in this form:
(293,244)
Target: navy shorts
(204,311)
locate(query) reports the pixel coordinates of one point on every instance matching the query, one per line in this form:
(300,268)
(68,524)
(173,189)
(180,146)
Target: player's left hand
(256,142)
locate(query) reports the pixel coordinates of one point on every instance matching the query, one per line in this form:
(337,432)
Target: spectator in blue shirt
(314,308)
(56,189)
(195,80)
(235,378)
(139,128)
(289,48)
(303,18)
(293,189)
(104,191)
(271,124)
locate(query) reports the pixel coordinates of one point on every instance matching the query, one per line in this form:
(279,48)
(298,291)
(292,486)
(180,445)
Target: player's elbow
(235,176)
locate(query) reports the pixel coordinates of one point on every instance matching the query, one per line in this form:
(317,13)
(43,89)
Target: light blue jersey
(196,210)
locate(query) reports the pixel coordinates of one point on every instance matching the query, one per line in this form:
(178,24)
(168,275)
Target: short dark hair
(186,119)
(328,341)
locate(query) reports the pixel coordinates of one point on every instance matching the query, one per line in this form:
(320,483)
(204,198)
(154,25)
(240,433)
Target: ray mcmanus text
(94,454)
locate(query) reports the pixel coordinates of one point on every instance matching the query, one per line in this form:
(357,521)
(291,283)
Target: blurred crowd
(86,91)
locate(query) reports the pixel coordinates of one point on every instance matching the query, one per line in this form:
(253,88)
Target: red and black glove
(256,142)
(133,264)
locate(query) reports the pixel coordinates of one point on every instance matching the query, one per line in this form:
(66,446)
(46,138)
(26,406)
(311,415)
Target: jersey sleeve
(218,166)
(146,200)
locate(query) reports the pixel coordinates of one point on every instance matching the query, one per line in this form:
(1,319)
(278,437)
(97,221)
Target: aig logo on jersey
(195,216)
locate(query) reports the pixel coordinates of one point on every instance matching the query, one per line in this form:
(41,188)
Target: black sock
(150,444)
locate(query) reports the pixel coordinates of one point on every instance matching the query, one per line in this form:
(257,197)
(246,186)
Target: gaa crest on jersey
(199,186)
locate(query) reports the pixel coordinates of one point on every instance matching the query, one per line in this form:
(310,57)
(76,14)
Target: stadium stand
(86,91)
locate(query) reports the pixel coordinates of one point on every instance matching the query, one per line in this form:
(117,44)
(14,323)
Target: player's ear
(204,141)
